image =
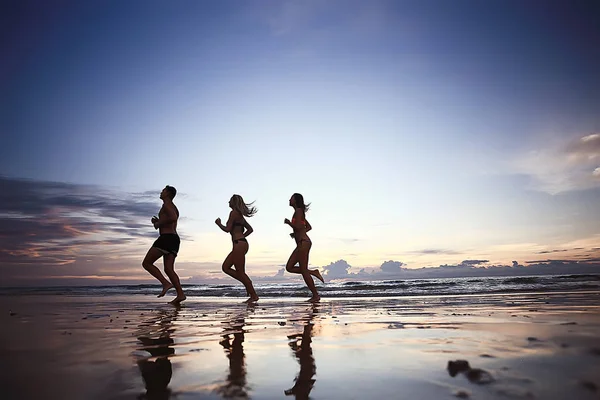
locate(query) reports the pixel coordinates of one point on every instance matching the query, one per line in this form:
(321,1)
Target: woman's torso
(300,233)
(237,229)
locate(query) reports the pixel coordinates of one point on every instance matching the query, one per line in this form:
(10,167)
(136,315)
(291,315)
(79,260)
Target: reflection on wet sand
(304,382)
(235,385)
(155,338)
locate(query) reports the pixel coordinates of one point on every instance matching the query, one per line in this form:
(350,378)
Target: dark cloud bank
(468,268)
(47,223)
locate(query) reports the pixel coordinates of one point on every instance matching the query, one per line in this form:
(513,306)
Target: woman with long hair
(299,256)
(239,229)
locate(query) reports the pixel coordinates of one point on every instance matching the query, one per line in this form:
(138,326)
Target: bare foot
(317,273)
(178,300)
(314,299)
(252,300)
(165,290)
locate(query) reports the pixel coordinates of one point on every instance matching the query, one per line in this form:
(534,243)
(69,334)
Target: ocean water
(385,288)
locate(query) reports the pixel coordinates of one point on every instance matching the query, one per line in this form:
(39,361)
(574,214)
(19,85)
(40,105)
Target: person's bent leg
(311,284)
(303,254)
(148,264)
(292,261)
(227,266)
(239,261)
(169,261)
(317,274)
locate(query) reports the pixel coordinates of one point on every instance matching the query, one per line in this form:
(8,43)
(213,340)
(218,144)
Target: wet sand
(525,346)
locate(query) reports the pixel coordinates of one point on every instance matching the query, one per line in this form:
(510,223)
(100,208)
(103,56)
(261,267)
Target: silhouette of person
(239,229)
(303,244)
(166,246)
(304,381)
(157,374)
(236,384)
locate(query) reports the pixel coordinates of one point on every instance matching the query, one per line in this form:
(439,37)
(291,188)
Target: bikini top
(302,221)
(238,223)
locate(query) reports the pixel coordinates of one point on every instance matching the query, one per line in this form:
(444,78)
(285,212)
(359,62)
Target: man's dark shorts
(168,243)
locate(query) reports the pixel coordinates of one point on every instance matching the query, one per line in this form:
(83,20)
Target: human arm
(248,227)
(227,227)
(296,222)
(308,227)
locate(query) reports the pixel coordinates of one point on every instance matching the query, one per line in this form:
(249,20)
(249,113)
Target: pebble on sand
(455,367)
(479,376)
(474,375)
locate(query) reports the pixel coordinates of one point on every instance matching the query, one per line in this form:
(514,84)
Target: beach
(521,346)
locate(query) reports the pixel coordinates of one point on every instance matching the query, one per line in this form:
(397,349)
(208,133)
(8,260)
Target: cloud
(57,223)
(435,252)
(466,268)
(586,147)
(340,269)
(279,273)
(336,270)
(349,240)
(554,251)
(391,266)
(473,262)
(546,267)
(569,165)
(88,270)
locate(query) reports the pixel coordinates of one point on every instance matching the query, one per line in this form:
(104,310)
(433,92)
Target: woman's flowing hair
(300,202)
(247,210)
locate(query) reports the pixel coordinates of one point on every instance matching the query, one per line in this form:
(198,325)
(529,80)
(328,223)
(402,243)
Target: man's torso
(171,227)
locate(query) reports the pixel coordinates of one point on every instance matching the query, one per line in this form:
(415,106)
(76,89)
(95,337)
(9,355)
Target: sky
(425,134)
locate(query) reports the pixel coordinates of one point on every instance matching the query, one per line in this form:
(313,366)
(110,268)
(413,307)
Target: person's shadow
(235,385)
(300,344)
(157,369)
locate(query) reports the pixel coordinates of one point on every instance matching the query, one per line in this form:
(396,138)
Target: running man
(166,246)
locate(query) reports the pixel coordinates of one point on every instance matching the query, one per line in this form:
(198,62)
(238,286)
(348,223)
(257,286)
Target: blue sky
(427,133)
